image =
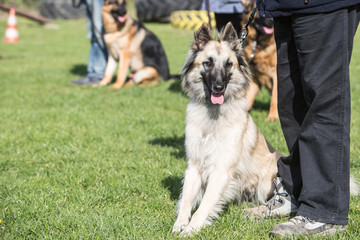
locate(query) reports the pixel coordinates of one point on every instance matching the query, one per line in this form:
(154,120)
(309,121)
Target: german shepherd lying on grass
(133,46)
(228,158)
(260,52)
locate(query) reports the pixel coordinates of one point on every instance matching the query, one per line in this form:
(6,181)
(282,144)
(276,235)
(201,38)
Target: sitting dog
(133,46)
(228,159)
(260,52)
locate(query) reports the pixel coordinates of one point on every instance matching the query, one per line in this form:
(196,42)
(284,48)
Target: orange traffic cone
(11,34)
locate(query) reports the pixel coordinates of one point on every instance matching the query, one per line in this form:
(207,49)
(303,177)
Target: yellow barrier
(191,20)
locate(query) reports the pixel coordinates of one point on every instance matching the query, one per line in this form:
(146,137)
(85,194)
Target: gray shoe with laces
(300,226)
(281,204)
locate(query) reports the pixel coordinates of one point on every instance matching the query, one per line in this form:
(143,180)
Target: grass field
(93,163)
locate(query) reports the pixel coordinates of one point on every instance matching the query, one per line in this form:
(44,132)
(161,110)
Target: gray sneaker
(281,204)
(300,226)
(86,81)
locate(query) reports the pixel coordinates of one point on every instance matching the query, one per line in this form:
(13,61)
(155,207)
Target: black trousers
(313,54)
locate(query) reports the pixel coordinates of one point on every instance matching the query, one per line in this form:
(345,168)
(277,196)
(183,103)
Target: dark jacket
(282,8)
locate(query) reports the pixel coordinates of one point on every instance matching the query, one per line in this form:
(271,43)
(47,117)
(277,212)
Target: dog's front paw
(100,84)
(179,226)
(103,82)
(272,117)
(97,85)
(116,86)
(189,231)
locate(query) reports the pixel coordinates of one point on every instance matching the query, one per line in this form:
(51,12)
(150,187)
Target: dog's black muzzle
(265,22)
(263,25)
(218,87)
(120,12)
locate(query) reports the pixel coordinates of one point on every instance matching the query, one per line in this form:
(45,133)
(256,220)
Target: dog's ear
(229,35)
(202,37)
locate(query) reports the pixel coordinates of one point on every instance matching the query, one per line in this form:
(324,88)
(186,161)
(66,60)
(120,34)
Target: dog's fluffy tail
(354,186)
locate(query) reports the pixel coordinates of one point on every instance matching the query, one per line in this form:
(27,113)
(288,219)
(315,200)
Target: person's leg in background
(98,53)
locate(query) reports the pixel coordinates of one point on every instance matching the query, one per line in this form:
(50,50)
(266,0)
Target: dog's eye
(228,64)
(207,64)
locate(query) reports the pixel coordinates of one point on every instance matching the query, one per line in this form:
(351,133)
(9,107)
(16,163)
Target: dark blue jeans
(314,52)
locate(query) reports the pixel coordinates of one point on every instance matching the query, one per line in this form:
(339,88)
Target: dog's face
(117,9)
(215,71)
(260,25)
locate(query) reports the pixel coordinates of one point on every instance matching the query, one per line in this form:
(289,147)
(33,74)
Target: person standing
(225,11)
(98,54)
(314,41)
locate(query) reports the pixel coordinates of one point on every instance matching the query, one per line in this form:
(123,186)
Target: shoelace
(277,198)
(300,219)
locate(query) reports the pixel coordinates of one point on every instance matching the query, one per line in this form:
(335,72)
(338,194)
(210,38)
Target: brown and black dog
(133,46)
(260,51)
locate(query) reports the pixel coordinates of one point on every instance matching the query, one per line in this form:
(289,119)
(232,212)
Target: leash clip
(245,30)
(244,33)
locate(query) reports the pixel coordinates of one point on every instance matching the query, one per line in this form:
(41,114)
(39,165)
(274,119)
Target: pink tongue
(268,30)
(217,98)
(121,19)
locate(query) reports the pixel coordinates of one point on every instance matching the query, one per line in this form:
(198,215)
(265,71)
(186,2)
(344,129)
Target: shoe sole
(328,232)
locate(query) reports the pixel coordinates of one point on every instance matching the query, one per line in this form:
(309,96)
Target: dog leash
(96,30)
(77,5)
(245,30)
(207,6)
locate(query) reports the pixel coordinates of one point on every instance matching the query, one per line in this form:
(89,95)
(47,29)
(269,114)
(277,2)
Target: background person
(226,11)
(98,54)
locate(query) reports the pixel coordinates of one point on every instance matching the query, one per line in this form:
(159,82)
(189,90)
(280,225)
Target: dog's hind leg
(190,195)
(146,76)
(251,94)
(273,111)
(210,205)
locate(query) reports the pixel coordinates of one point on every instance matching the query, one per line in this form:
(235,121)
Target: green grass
(93,163)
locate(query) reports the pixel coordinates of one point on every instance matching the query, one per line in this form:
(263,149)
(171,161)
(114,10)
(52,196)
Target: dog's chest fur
(128,40)
(214,136)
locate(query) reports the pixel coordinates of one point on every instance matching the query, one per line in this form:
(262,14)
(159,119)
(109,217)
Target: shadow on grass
(174,142)
(79,69)
(262,106)
(176,86)
(173,184)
